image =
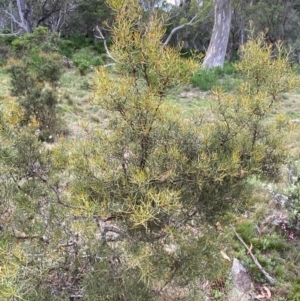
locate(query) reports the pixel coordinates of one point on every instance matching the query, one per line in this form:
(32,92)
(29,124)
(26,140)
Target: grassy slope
(258,221)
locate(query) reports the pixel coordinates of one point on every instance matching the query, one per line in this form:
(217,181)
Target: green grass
(226,78)
(189,99)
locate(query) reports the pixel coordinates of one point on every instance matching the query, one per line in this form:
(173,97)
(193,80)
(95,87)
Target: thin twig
(55,189)
(76,296)
(67,244)
(59,200)
(24,236)
(269,278)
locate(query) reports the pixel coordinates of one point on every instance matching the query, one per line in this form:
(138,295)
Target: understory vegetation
(113,188)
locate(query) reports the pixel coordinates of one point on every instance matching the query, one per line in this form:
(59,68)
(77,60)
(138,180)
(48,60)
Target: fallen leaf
(267,292)
(21,234)
(219,227)
(225,256)
(165,175)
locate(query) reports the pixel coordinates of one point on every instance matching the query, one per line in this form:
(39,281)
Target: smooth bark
(216,52)
(25,16)
(52,13)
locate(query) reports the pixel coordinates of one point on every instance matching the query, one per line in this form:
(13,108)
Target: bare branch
(108,65)
(118,234)
(67,244)
(59,200)
(71,7)
(191,22)
(99,35)
(55,189)
(269,278)
(46,16)
(10,34)
(172,16)
(14,19)
(72,297)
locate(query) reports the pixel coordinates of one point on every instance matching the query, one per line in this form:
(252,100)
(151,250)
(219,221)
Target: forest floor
(260,222)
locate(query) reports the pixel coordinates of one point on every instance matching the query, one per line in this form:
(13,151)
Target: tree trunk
(25,16)
(216,52)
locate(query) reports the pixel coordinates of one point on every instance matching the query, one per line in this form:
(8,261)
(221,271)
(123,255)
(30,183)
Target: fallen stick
(269,278)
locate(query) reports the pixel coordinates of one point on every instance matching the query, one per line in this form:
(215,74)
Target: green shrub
(98,60)
(99,46)
(128,217)
(82,65)
(66,48)
(154,166)
(85,58)
(293,205)
(7,39)
(5,48)
(81,41)
(4,54)
(228,69)
(34,81)
(40,40)
(77,42)
(280,271)
(207,79)
(35,75)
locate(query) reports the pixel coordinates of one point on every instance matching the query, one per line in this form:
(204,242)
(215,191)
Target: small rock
(241,278)
(242,286)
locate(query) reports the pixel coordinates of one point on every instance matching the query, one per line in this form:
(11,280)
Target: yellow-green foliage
(121,213)
(34,80)
(10,256)
(153,165)
(269,71)
(245,123)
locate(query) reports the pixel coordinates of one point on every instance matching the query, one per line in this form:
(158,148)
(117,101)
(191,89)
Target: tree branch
(191,22)
(9,34)
(100,36)
(269,278)
(14,19)
(46,16)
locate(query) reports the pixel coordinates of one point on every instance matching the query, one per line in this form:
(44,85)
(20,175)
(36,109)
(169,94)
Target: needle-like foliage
(125,211)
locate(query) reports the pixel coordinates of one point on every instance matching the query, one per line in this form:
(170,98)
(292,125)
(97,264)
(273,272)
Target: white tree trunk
(25,16)
(216,52)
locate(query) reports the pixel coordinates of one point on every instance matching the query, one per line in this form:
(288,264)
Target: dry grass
(4,84)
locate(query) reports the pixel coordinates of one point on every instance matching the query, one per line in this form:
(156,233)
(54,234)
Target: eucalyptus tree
(216,52)
(4,20)
(279,19)
(28,14)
